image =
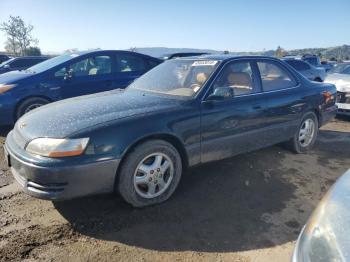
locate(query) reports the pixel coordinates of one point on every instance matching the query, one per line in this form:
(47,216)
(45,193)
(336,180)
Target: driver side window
(91,66)
(238,76)
(61,72)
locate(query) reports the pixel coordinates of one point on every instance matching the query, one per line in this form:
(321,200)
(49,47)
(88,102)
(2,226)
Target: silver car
(326,236)
(339,75)
(311,72)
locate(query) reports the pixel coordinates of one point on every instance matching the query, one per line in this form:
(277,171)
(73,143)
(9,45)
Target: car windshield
(50,63)
(180,77)
(6,62)
(312,60)
(340,69)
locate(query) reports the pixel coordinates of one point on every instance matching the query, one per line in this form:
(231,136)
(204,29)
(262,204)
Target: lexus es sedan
(182,113)
(68,76)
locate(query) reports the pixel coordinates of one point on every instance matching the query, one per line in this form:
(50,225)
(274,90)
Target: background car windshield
(312,60)
(6,62)
(177,77)
(341,69)
(50,63)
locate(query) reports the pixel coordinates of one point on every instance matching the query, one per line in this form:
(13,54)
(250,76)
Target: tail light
(328,96)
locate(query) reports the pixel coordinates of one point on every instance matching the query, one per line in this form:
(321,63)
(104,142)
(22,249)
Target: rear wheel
(306,135)
(150,173)
(30,104)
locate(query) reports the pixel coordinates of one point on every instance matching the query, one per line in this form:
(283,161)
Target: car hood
(66,117)
(14,76)
(341,81)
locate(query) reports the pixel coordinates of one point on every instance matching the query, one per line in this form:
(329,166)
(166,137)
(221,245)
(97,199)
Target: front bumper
(343,109)
(343,103)
(63,181)
(328,114)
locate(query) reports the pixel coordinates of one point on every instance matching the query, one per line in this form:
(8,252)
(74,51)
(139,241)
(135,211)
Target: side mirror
(222,93)
(7,66)
(68,75)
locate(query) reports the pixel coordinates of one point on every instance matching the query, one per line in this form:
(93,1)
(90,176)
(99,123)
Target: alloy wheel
(153,175)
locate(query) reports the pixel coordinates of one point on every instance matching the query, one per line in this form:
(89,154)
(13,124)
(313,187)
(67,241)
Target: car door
(129,67)
(88,75)
(233,124)
(284,99)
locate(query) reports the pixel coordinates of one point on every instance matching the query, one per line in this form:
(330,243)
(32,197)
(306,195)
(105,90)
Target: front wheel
(29,104)
(306,135)
(150,173)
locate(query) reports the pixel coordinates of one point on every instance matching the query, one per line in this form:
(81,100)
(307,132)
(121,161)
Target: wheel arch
(19,102)
(172,139)
(316,111)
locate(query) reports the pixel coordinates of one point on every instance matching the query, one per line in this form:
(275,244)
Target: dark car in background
(309,71)
(182,54)
(182,113)
(4,58)
(67,76)
(312,60)
(328,65)
(21,63)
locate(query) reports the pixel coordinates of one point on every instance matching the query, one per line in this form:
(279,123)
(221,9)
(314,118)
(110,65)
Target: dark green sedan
(182,113)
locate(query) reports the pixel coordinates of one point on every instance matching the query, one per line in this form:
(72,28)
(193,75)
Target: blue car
(182,113)
(67,76)
(21,63)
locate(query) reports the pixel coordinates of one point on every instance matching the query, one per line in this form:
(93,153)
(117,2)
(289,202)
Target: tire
(30,104)
(317,79)
(143,157)
(298,146)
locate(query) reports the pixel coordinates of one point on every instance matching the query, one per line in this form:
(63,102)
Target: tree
(19,35)
(280,52)
(33,51)
(133,49)
(71,51)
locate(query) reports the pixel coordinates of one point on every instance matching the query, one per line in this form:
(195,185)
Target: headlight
(4,88)
(54,147)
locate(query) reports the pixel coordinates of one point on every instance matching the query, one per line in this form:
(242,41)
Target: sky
(236,25)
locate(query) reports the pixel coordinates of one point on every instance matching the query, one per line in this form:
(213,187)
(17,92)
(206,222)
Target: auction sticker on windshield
(204,63)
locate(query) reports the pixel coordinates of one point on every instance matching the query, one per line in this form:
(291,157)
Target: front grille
(343,98)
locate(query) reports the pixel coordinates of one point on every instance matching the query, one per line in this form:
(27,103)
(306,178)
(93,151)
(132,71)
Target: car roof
(293,59)
(222,57)
(103,51)
(30,57)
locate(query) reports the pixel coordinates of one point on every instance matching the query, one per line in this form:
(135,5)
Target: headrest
(201,78)
(239,79)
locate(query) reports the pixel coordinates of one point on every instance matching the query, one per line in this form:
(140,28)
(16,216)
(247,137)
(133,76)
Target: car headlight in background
(55,147)
(4,88)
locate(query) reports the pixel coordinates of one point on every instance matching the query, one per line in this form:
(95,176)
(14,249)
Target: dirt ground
(247,208)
